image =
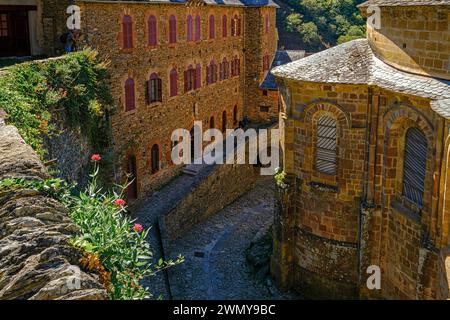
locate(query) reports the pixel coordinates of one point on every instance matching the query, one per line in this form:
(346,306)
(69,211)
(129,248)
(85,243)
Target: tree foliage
(323,23)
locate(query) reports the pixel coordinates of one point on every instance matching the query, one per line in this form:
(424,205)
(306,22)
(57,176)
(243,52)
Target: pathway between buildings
(215,266)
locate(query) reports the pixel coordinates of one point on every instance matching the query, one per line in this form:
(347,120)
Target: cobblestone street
(215,265)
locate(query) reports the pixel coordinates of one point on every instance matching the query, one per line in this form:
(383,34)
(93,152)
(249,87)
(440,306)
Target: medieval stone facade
(365,142)
(173,63)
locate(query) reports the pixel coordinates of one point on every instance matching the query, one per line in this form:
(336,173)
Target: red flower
(120,202)
(138,227)
(96,157)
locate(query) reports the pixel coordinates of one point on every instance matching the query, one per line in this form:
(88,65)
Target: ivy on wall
(32,93)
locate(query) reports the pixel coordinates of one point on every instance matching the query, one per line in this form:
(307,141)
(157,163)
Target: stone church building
(366,146)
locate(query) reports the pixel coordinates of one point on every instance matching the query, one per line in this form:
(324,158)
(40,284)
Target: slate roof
(395,3)
(354,63)
(281,57)
(246,3)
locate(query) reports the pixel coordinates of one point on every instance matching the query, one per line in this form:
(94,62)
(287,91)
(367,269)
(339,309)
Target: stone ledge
(36,260)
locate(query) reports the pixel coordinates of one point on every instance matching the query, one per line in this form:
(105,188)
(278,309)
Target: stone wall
(136,131)
(36,260)
(220,188)
(360,216)
(414,39)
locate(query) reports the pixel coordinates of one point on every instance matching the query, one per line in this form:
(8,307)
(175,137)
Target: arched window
(154,89)
(198,76)
(224,69)
(189,79)
(233,26)
(127,31)
(173,82)
(235,66)
(129,95)
(152,31)
(132,178)
(212,27)
(172,29)
(211,123)
(238,26)
(414,166)
(326,146)
(155,158)
(235,114)
(211,73)
(224,121)
(198,28)
(189,36)
(224,26)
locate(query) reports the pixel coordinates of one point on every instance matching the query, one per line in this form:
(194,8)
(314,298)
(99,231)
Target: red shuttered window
(152,31)
(127,31)
(198,28)
(224,26)
(212,27)
(172,29)
(129,95)
(189,35)
(154,89)
(173,82)
(198,76)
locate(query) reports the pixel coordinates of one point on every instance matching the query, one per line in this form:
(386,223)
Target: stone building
(366,145)
(171,63)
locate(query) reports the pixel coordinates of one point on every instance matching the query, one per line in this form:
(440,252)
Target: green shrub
(108,236)
(32,92)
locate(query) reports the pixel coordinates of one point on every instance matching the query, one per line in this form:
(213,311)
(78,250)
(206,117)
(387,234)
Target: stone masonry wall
(360,217)
(135,132)
(224,185)
(414,39)
(36,260)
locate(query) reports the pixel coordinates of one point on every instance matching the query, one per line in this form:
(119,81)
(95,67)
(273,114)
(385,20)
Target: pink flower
(120,202)
(138,227)
(96,157)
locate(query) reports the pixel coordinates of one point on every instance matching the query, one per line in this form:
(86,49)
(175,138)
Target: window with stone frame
(235,66)
(152,31)
(189,79)
(154,89)
(130,101)
(224,26)
(127,32)
(189,29)
(326,145)
(224,69)
(172,29)
(414,166)
(155,159)
(4,28)
(211,73)
(173,83)
(198,76)
(212,27)
(198,28)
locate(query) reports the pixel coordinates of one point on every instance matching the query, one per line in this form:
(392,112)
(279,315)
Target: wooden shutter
(224,26)
(326,146)
(414,167)
(147,92)
(159,90)
(198,76)
(198,26)
(152,34)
